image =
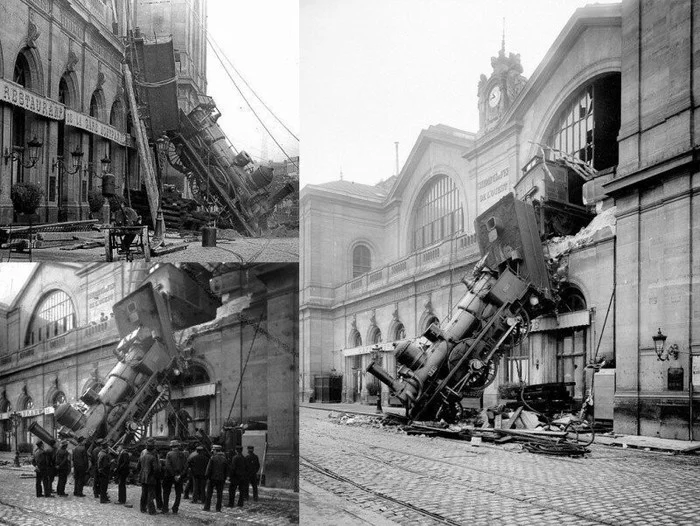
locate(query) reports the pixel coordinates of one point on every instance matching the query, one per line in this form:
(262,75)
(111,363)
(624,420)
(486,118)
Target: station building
(61,86)
(58,338)
(601,139)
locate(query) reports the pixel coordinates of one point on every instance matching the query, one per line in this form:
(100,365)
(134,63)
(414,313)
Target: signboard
(491,188)
(92,125)
(23,98)
(695,373)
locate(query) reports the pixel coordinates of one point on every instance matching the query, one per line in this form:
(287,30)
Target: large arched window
(587,126)
(54,315)
(438,213)
(361,260)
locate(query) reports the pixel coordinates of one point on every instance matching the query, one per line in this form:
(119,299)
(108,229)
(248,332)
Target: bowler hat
(174,443)
(216,447)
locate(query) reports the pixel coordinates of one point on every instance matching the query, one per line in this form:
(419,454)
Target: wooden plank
(509,423)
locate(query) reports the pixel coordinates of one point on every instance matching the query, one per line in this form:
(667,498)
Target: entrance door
(571,356)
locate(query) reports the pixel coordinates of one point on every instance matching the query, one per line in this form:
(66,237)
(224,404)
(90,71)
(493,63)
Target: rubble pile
(602,224)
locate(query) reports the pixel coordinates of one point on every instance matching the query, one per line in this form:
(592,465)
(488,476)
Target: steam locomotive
(460,356)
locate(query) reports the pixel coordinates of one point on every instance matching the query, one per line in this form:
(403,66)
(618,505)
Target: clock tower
(498,92)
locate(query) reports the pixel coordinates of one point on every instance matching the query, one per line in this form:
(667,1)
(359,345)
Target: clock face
(495,96)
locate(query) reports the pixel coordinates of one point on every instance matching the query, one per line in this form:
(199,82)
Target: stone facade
(628,273)
(64,56)
(242,365)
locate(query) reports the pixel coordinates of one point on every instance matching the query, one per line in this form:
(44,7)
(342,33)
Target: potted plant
(26,198)
(373,391)
(95,202)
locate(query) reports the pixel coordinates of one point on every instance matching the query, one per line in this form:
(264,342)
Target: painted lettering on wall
(87,123)
(493,186)
(23,98)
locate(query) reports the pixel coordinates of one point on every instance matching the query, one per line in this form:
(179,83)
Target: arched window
(58,399)
(571,300)
(54,315)
(398,331)
(355,339)
(588,125)
(361,260)
(374,336)
(429,321)
(438,213)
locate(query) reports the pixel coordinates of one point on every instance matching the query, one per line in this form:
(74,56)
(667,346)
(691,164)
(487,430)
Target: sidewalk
(625,441)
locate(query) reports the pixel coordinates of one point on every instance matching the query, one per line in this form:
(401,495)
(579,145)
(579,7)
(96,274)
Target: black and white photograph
(132,390)
(139,129)
(499,229)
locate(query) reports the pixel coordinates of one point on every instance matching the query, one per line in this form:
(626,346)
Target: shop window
(571,354)
(361,260)
(55,315)
(438,214)
(587,126)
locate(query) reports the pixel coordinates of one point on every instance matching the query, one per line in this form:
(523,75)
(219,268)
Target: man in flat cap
(40,461)
(253,464)
(175,469)
(62,468)
(103,467)
(197,465)
(123,468)
(216,477)
(239,478)
(81,463)
(149,466)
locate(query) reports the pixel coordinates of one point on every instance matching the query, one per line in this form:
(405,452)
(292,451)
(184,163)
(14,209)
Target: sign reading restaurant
(23,98)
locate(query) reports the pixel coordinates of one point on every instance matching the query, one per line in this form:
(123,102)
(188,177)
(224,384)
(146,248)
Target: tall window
(375,335)
(54,315)
(587,127)
(438,213)
(361,260)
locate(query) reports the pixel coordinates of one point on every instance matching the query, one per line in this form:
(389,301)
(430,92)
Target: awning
(581,318)
(193,391)
(92,125)
(23,98)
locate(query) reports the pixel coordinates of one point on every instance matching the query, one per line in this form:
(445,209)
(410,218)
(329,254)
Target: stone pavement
(421,480)
(19,506)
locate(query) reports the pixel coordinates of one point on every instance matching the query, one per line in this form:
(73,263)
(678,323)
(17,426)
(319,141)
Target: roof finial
(503,40)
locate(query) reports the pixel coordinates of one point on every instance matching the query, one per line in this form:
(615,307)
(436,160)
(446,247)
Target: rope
(158,84)
(245,366)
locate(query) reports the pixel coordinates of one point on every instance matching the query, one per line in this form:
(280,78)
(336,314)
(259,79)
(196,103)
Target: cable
(209,40)
(250,350)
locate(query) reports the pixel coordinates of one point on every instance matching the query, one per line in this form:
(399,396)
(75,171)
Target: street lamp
(77,155)
(662,354)
(17,154)
(16,419)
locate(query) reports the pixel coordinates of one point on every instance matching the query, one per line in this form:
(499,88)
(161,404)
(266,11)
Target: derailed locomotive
(460,356)
(138,386)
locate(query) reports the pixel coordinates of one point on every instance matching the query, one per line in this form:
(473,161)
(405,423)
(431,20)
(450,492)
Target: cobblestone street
(19,506)
(381,476)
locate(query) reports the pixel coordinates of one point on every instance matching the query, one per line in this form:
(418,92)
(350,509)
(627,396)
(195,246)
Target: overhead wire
(211,42)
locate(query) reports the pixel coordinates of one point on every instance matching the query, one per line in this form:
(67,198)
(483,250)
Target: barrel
(208,236)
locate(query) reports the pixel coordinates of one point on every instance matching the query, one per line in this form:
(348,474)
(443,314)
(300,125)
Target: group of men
(196,473)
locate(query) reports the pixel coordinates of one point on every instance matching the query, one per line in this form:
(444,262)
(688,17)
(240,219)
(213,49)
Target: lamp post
(377,358)
(17,154)
(661,353)
(16,420)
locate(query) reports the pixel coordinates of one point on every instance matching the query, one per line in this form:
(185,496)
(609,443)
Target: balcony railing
(69,342)
(459,248)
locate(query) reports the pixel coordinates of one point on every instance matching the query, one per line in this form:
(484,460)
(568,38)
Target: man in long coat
(175,470)
(41,467)
(197,465)
(122,469)
(215,474)
(149,466)
(62,468)
(239,478)
(253,466)
(81,463)
(104,464)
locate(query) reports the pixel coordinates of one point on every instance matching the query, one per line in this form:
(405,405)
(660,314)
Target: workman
(239,478)
(197,465)
(123,468)
(216,477)
(62,468)
(94,451)
(103,466)
(253,465)
(81,463)
(149,466)
(40,461)
(175,471)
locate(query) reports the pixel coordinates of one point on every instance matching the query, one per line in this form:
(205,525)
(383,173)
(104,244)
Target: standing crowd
(195,473)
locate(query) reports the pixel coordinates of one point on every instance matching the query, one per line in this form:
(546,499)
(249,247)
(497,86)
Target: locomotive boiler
(138,386)
(460,356)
